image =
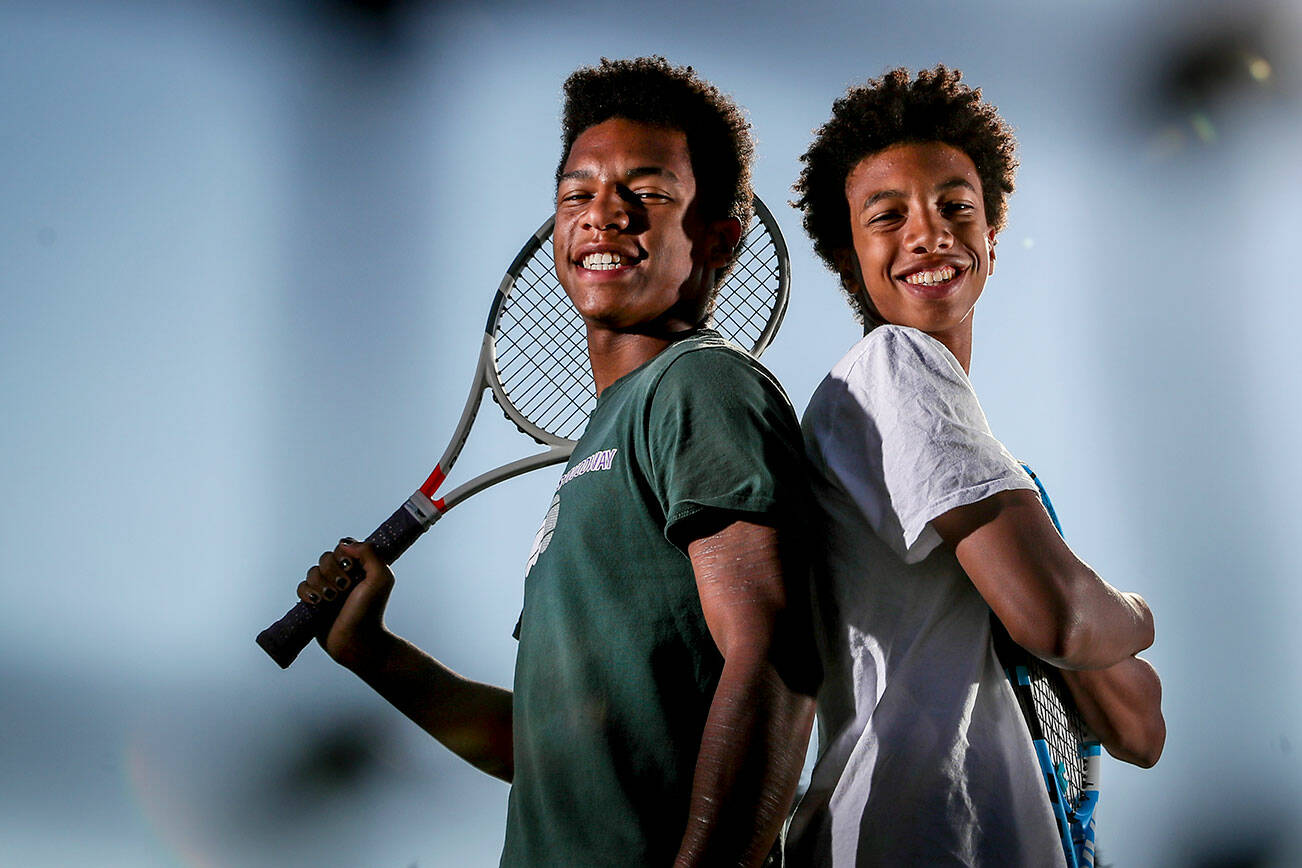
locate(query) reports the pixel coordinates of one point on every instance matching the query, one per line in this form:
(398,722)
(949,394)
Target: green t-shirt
(616,668)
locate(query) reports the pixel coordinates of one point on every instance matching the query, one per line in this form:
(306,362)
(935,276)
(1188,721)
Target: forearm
(1122,705)
(752,750)
(1103,626)
(1051,602)
(471,719)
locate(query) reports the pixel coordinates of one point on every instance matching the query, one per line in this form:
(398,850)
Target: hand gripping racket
(1068,752)
(534,362)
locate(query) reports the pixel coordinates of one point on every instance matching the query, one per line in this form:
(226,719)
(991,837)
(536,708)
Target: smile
(931,278)
(602,261)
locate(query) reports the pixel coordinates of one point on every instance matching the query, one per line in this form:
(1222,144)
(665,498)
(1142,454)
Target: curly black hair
(897,109)
(651,91)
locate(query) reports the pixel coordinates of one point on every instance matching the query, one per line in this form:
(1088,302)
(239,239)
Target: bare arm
(1056,607)
(1122,705)
(1051,603)
(759,721)
(472,719)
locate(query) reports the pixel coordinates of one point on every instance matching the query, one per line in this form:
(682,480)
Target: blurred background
(247,250)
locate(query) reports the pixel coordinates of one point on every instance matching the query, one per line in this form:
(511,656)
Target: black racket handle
(291,634)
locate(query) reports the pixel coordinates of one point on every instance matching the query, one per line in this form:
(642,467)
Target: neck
(960,345)
(958,341)
(613,354)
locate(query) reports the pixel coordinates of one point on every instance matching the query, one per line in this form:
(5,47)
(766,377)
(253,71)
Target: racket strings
(745,301)
(542,352)
(542,348)
(1064,731)
(536,385)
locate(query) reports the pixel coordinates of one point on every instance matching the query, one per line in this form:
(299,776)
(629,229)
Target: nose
(606,210)
(927,232)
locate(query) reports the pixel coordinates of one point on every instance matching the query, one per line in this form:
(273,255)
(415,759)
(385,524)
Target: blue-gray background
(246,251)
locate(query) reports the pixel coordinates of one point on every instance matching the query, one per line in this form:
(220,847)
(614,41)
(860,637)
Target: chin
(596,306)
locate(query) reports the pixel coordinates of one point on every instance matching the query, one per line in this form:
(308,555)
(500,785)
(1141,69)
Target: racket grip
(284,639)
(402,528)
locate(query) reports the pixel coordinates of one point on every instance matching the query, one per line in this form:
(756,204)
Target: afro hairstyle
(934,106)
(649,90)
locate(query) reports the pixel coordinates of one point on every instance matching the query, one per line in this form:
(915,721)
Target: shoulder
(711,368)
(895,379)
(707,349)
(717,396)
(887,364)
(898,353)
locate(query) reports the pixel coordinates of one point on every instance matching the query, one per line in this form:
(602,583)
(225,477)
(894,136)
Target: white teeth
(602,261)
(931,278)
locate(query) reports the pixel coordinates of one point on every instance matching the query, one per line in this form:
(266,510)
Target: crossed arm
(1056,607)
(759,721)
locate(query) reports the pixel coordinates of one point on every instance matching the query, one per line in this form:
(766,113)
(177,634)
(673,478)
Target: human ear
(725,235)
(847,266)
(990,251)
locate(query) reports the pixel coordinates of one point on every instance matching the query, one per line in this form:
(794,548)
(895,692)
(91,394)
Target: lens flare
(1259,68)
(162,809)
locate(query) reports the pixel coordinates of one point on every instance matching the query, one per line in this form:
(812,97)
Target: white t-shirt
(924,758)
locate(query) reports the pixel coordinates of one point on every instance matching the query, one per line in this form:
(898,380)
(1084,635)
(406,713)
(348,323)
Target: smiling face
(631,248)
(922,247)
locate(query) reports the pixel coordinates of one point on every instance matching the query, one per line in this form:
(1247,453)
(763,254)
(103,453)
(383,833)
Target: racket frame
(426,508)
(783,289)
(422,504)
(284,639)
(1075,825)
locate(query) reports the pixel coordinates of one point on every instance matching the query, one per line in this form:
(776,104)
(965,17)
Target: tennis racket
(1068,752)
(534,362)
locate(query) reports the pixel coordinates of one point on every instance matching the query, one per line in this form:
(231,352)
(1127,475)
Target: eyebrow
(631,174)
(952,183)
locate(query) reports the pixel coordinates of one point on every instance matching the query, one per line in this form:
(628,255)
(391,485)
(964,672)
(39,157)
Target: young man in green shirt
(662,698)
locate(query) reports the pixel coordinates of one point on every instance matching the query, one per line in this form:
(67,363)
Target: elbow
(1064,641)
(1148,757)
(1059,629)
(1156,741)
(1143,745)
(1056,635)
(1140,733)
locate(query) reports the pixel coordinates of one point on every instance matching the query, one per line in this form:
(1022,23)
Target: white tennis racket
(534,362)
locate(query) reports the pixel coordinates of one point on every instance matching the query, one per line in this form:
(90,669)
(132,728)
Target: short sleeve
(722,439)
(897,425)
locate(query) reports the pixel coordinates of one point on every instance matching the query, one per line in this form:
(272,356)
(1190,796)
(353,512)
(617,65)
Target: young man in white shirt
(930,523)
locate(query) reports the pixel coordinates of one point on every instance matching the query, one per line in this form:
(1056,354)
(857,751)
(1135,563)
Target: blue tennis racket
(1069,754)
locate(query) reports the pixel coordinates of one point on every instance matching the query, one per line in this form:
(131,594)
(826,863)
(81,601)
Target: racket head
(751,300)
(1072,747)
(536,349)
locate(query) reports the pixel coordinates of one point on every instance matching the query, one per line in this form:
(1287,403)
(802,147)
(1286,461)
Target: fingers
(322,582)
(357,558)
(337,571)
(333,575)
